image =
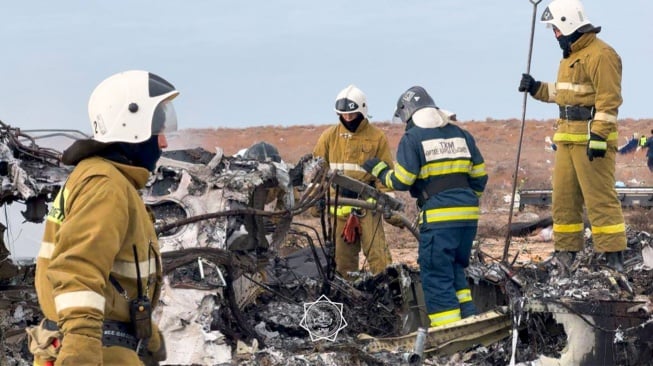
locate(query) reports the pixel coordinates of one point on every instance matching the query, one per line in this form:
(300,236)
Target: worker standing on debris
(345,147)
(98,272)
(439,163)
(588,92)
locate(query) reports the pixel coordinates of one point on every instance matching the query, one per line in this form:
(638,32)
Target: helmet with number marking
(131,107)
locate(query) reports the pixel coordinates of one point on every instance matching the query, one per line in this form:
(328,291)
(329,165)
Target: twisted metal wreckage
(240,272)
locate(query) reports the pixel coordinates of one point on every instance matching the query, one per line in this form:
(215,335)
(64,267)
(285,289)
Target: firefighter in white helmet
(345,147)
(588,92)
(98,272)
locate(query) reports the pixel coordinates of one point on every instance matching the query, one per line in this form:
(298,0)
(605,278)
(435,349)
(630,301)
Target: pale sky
(282,62)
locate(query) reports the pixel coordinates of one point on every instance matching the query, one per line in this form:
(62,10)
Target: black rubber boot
(615,260)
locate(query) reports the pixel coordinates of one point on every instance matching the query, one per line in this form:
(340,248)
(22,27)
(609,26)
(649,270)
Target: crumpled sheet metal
(184,317)
(226,183)
(27,179)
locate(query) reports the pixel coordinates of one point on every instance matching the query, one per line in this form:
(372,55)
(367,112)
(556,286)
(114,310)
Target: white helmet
(132,106)
(351,100)
(566,15)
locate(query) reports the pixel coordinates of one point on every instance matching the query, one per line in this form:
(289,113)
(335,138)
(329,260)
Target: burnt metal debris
(240,269)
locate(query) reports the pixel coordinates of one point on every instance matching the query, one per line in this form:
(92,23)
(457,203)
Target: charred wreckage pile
(247,283)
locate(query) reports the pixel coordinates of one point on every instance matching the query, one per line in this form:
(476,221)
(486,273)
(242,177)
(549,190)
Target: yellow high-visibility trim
(46,250)
(56,213)
(579,137)
(568,228)
(451,214)
(388,179)
(609,229)
(378,168)
(464,295)
(79,299)
(444,317)
(478,171)
(404,176)
(341,211)
(445,167)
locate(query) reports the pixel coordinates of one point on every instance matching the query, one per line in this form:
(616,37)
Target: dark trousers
(443,256)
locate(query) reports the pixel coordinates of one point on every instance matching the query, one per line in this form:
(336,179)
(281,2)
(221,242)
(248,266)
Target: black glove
(528,84)
(375,166)
(596,146)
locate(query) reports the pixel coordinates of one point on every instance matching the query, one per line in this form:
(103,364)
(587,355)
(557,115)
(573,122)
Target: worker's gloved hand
(352,230)
(596,147)
(528,84)
(395,220)
(375,166)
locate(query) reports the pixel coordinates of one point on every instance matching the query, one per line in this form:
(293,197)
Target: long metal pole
(521,134)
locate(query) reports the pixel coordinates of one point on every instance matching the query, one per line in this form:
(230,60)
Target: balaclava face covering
(352,126)
(566,42)
(144,154)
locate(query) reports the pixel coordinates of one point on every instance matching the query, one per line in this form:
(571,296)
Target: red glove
(352,230)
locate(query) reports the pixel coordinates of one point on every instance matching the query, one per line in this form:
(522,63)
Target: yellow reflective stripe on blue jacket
(450,214)
(439,168)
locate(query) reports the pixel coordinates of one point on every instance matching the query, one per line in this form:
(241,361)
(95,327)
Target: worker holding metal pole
(588,93)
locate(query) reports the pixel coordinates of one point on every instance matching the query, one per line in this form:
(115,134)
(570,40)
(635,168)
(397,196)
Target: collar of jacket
(583,42)
(430,118)
(136,175)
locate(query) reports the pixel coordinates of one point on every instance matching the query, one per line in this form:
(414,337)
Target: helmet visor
(345,105)
(164,119)
(396,116)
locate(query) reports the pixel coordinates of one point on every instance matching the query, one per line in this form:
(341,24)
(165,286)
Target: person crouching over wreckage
(98,272)
(345,147)
(441,166)
(588,92)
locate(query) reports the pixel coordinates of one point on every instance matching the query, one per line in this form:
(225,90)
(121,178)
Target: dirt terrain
(498,140)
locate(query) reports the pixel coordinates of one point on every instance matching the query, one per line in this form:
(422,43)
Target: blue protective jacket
(443,169)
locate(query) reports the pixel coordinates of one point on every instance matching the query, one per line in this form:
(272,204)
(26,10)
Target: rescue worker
(441,166)
(99,245)
(588,93)
(648,143)
(345,147)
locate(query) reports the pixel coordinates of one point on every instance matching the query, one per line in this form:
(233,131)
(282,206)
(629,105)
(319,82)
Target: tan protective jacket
(347,151)
(89,234)
(590,76)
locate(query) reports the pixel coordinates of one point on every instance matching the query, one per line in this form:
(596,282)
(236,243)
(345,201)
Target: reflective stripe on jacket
(90,232)
(590,76)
